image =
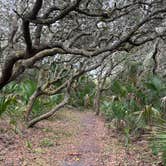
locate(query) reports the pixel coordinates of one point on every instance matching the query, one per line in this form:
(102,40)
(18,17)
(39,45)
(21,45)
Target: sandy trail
(90,148)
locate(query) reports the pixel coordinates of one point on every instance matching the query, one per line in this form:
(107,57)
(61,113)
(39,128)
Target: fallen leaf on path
(74,154)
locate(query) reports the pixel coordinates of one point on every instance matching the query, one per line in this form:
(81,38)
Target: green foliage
(26,89)
(154,84)
(11,88)
(116,111)
(29,144)
(106,109)
(55,99)
(43,104)
(119,110)
(46,142)
(137,106)
(16,96)
(148,115)
(38,107)
(7,103)
(118,89)
(155,89)
(84,86)
(21,92)
(158,141)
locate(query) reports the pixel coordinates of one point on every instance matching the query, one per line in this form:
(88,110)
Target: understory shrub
(158,141)
(138,106)
(82,94)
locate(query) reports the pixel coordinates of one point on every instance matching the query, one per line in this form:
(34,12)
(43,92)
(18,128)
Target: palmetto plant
(26,89)
(148,115)
(158,139)
(106,109)
(119,110)
(11,88)
(119,89)
(116,111)
(155,89)
(84,86)
(6,102)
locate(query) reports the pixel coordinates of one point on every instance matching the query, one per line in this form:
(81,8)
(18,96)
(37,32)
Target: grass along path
(71,138)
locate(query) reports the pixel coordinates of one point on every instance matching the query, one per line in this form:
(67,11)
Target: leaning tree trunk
(31,102)
(48,114)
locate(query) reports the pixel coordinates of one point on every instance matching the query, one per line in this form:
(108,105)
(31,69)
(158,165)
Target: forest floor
(70,138)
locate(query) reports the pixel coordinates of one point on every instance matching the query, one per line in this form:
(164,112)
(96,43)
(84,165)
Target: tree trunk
(48,114)
(31,102)
(97,101)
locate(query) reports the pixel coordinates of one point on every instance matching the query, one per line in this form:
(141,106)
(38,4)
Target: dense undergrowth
(137,110)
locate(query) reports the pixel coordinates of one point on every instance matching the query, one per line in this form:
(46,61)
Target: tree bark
(97,101)
(31,102)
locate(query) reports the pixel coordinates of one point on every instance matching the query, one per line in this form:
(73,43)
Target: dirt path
(89,150)
(71,138)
